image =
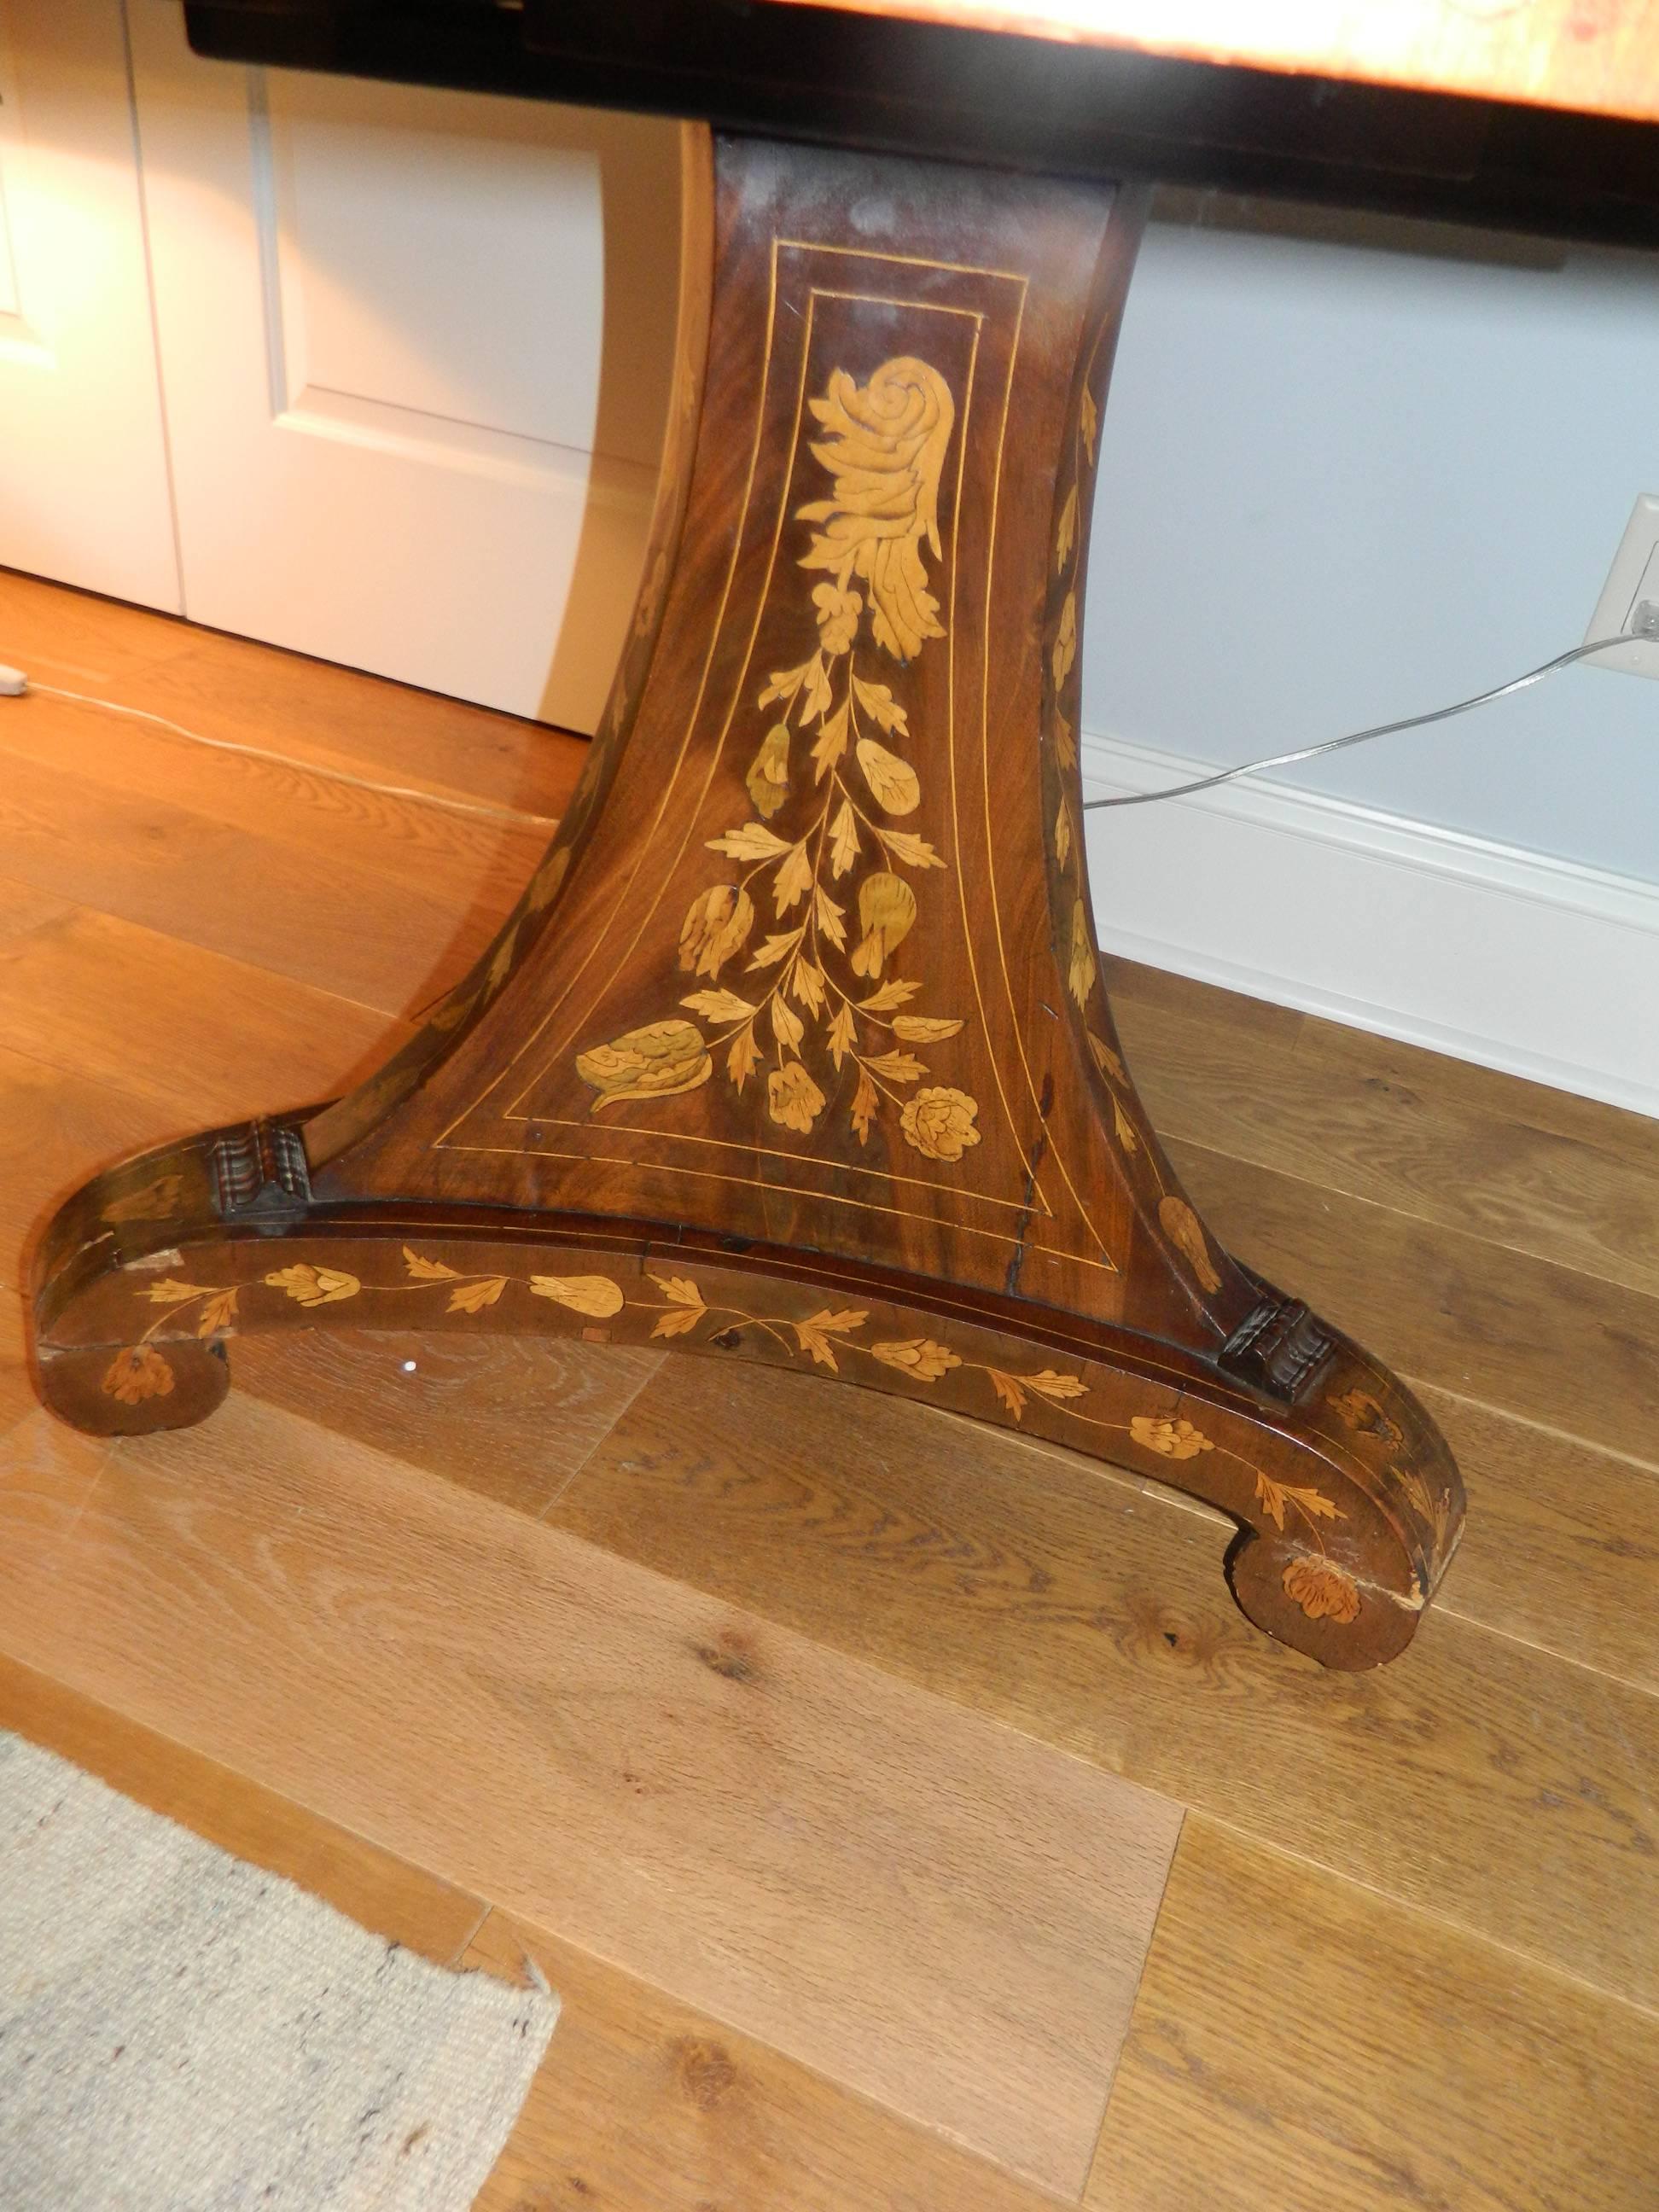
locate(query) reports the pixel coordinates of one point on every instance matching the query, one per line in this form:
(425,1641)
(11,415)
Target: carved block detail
(259,1175)
(1280,1347)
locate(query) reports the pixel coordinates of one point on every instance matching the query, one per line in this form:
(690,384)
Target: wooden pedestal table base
(794,1048)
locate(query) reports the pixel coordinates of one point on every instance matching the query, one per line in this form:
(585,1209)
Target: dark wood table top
(1536,114)
(1591,56)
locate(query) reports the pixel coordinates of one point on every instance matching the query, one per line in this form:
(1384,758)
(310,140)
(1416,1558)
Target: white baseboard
(1536,966)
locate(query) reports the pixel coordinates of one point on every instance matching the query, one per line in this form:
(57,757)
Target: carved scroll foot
(1297,1598)
(131,1389)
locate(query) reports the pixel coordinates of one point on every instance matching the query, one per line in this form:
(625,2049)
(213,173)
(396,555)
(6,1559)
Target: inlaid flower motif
(1322,1590)
(885,445)
(793,1099)
(657,1061)
(314,1286)
(838,616)
(939,1122)
(547,878)
(768,779)
(1358,1411)
(1065,651)
(597,1296)
(1173,1439)
(153,1201)
(918,1357)
(1080,967)
(1435,1512)
(138,1373)
(717,924)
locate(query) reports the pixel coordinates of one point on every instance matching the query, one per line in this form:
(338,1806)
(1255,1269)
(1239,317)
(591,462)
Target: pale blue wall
(1340,484)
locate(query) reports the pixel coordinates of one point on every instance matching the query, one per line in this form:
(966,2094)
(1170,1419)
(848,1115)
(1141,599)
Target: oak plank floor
(58,1128)
(511,1418)
(137,1009)
(1534,1170)
(309,711)
(653,2108)
(636,2069)
(1301,2043)
(689,1792)
(391,892)
(1552,1344)
(828,1753)
(1093,1613)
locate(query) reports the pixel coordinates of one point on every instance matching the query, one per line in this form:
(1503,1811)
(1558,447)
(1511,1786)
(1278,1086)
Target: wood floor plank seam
(513,1922)
(1469,1234)
(1553,1651)
(173,732)
(67,908)
(1301,2045)
(1187,1816)
(470,1937)
(1544,1174)
(736,2114)
(1534,1961)
(641,1745)
(1447,1600)
(1618,1452)
(1073,1607)
(621,1414)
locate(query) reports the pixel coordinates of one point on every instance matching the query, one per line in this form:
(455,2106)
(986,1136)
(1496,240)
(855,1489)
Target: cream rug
(183,2033)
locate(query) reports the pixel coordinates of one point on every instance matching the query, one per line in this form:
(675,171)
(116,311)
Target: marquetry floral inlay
(819,900)
(138,1373)
(1189,1244)
(152,1201)
(660,1305)
(1358,1410)
(1182,1228)
(1312,1504)
(1172,1439)
(1322,1590)
(1434,1510)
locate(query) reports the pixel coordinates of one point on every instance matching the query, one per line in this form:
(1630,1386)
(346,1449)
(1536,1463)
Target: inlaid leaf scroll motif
(794,949)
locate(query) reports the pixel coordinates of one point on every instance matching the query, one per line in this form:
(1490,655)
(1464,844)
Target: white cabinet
(413,349)
(83,468)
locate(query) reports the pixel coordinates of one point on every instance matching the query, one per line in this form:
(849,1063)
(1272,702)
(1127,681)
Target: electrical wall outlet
(1629,605)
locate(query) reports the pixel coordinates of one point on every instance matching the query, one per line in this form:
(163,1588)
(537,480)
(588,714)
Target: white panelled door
(381,314)
(83,472)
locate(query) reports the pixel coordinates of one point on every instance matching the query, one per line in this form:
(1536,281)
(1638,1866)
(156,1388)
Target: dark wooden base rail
(795,1048)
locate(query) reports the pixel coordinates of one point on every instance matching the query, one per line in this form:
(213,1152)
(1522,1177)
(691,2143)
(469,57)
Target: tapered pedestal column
(795,1048)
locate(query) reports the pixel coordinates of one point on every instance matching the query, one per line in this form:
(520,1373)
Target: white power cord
(1360,737)
(14,683)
